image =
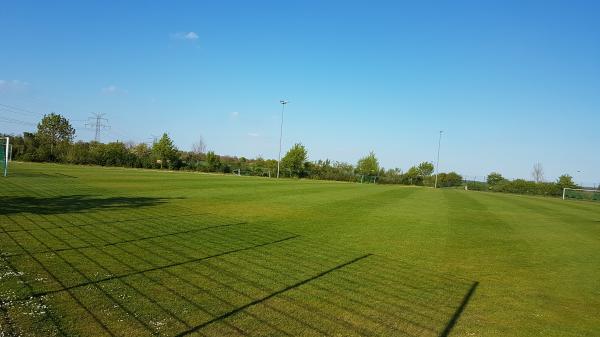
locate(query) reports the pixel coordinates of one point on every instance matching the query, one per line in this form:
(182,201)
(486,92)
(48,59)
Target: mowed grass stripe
(118,233)
(71,295)
(381,271)
(162,307)
(378,277)
(105,222)
(535,247)
(38,294)
(459,310)
(130,240)
(214,242)
(258,280)
(367,311)
(255,302)
(414,308)
(115,233)
(112,298)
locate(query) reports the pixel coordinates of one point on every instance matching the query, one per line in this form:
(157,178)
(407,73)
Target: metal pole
(283,103)
(437,164)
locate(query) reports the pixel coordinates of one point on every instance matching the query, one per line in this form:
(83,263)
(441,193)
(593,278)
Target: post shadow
(459,310)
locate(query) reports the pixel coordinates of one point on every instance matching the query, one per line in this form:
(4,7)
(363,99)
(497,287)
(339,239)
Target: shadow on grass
(454,319)
(250,277)
(39,175)
(72,204)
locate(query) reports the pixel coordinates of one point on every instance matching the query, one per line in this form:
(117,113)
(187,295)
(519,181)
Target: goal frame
(6,156)
(564,194)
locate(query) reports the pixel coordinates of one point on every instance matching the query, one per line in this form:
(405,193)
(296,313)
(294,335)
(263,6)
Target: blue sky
(510,83)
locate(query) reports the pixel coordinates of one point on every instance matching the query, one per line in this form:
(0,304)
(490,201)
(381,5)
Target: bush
(521,186)
(449,179)
(478,186)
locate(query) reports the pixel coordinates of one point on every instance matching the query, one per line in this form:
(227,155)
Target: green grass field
(90,251)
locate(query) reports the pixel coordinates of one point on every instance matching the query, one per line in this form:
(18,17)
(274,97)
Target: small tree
(368,165)
(413,176)
(271,166)
(164,149)
(294,160)
(213,161)
(565,181)
(450,179)
(453,179)
(494,178)
(425,169)
(143,154)
(54,130)
(537,173)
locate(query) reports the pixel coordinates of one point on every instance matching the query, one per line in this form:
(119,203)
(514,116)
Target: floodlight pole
(283,103)
(437,164)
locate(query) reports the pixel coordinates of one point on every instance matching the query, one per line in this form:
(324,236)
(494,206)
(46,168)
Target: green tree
(453,179)
(413,176)
(368,165)
(449,179)
(54,131)
(213,161)
(294,160)
(271,166)
(425,169)
(565,181)
(143,155)
(495,178)
(164,149)
(78,153)
(116,154)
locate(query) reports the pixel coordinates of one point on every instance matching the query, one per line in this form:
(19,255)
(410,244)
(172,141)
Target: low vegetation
(496,183)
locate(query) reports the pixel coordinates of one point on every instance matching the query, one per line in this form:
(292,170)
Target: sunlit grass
(104,251)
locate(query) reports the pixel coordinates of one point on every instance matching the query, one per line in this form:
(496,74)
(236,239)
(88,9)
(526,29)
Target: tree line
(53,141)
(495,182)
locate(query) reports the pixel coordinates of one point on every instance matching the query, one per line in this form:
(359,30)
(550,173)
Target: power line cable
(26,112)
(21,110)
(16,121)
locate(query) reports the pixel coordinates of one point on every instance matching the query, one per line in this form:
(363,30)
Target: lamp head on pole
(283,101)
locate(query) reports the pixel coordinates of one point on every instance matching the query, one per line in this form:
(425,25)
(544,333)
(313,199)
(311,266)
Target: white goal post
(5,155)
(580,193)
